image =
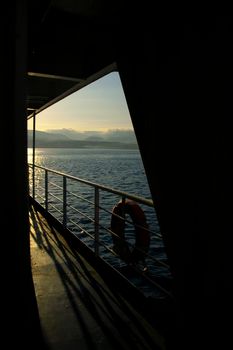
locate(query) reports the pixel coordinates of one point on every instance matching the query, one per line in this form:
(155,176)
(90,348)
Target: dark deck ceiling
(69,42)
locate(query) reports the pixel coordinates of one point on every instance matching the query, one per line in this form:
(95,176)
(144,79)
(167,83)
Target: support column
(19,315)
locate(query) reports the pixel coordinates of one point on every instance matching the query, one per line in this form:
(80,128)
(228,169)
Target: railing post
(64,202)
(96,221)
(33,154)
(46,190)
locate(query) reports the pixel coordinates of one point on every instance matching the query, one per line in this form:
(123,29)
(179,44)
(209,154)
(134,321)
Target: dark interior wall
(177,78)
(19,316)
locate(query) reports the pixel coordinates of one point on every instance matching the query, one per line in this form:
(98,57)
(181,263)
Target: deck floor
(77,309)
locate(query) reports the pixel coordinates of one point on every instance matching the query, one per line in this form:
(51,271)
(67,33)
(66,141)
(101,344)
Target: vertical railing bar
(96,221)
(33,154)
(64,202)
(46,190)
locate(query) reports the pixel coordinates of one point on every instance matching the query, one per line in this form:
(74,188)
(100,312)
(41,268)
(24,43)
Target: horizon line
(83,131)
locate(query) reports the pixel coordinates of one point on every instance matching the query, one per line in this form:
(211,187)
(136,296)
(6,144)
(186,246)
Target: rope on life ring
(142,235)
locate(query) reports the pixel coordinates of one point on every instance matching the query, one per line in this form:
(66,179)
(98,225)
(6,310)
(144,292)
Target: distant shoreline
(84,144)
(104,148)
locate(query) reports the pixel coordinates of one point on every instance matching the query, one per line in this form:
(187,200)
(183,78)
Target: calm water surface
(121,169)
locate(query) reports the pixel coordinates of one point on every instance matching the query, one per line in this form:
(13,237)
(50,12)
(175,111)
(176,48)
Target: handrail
(138,199)
(58,202)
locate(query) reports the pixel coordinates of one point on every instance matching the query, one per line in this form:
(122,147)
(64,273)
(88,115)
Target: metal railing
(85,208)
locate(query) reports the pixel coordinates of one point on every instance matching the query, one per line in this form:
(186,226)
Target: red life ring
(142,235)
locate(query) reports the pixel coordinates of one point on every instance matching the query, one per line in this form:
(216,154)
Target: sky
(99,106)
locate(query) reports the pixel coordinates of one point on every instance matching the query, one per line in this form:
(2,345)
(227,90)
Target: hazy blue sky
(99,106)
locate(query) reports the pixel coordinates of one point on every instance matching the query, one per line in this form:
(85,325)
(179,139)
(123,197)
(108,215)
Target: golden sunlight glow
(99,106)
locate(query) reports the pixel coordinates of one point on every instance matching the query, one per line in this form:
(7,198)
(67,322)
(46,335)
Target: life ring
(141,228)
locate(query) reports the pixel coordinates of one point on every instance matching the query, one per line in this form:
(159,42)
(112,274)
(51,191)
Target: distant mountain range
(69,138)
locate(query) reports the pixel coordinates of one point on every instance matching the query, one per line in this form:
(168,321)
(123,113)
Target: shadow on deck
(78,307)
